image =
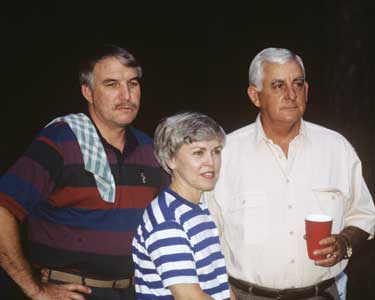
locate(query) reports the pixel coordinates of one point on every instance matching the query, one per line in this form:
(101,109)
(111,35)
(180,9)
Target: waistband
(285,294)
(74,278)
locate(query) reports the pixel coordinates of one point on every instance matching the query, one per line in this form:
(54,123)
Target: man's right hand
(70,291)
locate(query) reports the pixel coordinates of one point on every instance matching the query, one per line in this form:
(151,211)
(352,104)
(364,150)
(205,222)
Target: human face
(114,97)
(195,168)
(282,100)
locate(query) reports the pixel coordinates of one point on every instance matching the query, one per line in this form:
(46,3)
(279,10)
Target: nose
(210,159)
(125,92)
(291,93)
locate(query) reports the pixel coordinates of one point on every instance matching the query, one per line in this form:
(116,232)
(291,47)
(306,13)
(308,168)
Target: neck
(282,134)
(113,135)
(192,196)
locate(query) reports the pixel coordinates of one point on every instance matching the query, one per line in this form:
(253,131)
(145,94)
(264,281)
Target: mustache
(127,104)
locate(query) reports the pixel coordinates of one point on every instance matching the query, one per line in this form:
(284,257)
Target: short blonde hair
(183,128)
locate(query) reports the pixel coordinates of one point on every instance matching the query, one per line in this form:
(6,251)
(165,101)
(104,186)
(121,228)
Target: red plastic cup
(318,227)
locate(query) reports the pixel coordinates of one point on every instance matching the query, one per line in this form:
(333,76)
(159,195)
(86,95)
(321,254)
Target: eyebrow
(205,148)
(275,81)
(198,148)
(135,78)
(108,80)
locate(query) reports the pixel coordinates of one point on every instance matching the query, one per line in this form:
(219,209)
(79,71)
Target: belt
(73,278)
(286,294)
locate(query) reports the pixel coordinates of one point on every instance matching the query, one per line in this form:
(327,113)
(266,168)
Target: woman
(176,249)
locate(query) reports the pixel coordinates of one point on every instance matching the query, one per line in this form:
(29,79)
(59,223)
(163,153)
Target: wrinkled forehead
(282,71)
(112,67)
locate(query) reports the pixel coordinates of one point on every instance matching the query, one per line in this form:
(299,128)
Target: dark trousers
(332,293)
(112,294)
(108,293)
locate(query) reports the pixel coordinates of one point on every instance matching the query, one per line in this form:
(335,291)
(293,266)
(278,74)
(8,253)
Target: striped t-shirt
(177,242)
(70,227)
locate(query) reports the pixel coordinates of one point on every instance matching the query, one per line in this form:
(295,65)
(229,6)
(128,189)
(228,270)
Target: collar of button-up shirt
(261,136)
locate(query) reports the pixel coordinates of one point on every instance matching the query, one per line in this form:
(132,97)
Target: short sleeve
(170,250)
(32,177)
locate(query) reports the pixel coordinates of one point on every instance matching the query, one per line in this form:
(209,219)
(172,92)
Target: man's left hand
(334,251)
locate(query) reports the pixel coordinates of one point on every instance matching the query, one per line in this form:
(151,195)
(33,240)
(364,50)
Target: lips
(124,107)
(208,175)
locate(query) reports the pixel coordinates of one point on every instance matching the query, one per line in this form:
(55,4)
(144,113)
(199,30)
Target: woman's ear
(171,164)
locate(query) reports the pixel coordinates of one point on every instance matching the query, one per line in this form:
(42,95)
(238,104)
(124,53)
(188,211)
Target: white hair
(270,55)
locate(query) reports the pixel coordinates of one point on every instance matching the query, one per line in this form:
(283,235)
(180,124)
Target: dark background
(195,56)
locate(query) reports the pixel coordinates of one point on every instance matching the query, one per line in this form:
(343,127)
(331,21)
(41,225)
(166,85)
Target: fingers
(325,251)
(328,241)
(44,273)
(62,292)
(329,261)
(77,287)
(76,296)
(333,253)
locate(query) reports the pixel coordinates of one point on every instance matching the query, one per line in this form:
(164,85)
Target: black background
(195,56)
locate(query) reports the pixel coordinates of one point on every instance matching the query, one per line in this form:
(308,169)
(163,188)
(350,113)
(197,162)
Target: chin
(126,120)
(292,118)
(208,187)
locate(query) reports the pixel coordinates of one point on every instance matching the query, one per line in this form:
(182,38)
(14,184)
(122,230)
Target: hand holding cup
(318,227)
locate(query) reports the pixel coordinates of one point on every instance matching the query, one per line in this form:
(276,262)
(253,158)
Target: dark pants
(242,295)
(108,293)
(112,294)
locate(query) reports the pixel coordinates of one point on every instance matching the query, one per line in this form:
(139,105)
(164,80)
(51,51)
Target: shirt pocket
(245,219)
(329,201)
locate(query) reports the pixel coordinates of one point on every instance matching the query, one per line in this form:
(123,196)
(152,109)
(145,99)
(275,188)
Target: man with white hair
(276,171)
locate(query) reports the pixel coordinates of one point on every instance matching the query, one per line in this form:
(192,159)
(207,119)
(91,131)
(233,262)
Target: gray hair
(271,55)
(87,65)
(183,128)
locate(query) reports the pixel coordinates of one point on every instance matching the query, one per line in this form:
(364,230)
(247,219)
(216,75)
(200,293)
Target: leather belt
(73,278)
(286,294)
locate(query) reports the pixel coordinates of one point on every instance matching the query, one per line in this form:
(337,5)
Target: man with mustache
(82,186)
(275,172)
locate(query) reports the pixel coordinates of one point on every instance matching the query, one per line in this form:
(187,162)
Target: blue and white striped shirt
(177,242)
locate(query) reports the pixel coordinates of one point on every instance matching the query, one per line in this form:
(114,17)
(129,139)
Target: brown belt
(286,294)
(73,278)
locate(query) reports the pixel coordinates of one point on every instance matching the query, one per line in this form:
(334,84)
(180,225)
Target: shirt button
(291,232)
(292,261)
(333,197)
(290,206)
(287,180)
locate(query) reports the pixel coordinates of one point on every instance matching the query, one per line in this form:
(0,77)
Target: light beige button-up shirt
(262,198)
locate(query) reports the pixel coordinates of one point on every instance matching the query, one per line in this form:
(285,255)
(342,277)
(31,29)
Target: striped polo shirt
(177,242)
(70,227)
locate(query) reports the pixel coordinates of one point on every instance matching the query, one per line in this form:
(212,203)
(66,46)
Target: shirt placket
(286,165)
(291,215)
